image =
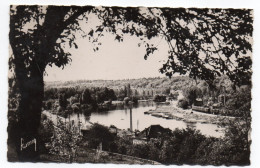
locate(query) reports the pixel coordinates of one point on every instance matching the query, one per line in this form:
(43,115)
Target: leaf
(91,33)
(76,46)
(118,38)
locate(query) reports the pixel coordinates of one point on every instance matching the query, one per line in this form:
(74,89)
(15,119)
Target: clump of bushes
(99,134)
(46,131)
(159,98)
(49,104)
(191,93)
(189,146)
(183,103)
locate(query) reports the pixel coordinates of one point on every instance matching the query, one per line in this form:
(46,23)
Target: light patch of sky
(113,60)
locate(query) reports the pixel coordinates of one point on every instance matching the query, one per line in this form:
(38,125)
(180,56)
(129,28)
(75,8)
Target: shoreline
(188,116)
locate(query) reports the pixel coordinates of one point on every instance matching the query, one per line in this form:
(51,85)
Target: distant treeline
(144,88)
(83,95)
(158,84)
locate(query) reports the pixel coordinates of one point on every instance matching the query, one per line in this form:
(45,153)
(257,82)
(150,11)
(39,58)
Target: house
(198,102)
(154,131)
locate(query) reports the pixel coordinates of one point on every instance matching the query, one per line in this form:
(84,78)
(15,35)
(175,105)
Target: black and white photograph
(130,85)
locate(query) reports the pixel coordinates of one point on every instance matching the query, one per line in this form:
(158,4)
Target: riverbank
(188,116)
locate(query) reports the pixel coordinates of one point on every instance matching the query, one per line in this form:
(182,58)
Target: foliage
(187,146)
(203,43)
(51,93)
(65,141)
(234,148)
(49,104)
(75,107)
(99,134)
(167,91)
(240,102)
(70,97)
(191,94)
(121,94)
(140,150)
(63,102)
(140,88)
(46,131)
(181,148)
(159,98)
(43,18)
(135,99)
(237,99)
(183,103)
(74,99)
(86,97)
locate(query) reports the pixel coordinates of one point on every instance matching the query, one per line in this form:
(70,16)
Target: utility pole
(131,119)
(137,124)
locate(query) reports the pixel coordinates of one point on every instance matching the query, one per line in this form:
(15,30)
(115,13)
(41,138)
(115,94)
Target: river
(121,119)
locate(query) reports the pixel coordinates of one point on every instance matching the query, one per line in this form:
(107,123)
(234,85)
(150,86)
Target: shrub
(45,132)
(158,98)
(192,93)
(48,105)
(126,100)
(99,134)
(65,141)
(135,100)
(240,102)
(183,103)
(75,107)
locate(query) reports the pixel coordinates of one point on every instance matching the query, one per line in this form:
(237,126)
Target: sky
(113,60)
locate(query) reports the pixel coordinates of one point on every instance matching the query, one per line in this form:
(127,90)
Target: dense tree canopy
(203,43)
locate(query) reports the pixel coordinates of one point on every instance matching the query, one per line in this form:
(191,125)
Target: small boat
(157,115)
(190,121)
(167,116)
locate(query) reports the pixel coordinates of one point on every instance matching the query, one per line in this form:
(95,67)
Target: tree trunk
(29,72)
(29,113)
